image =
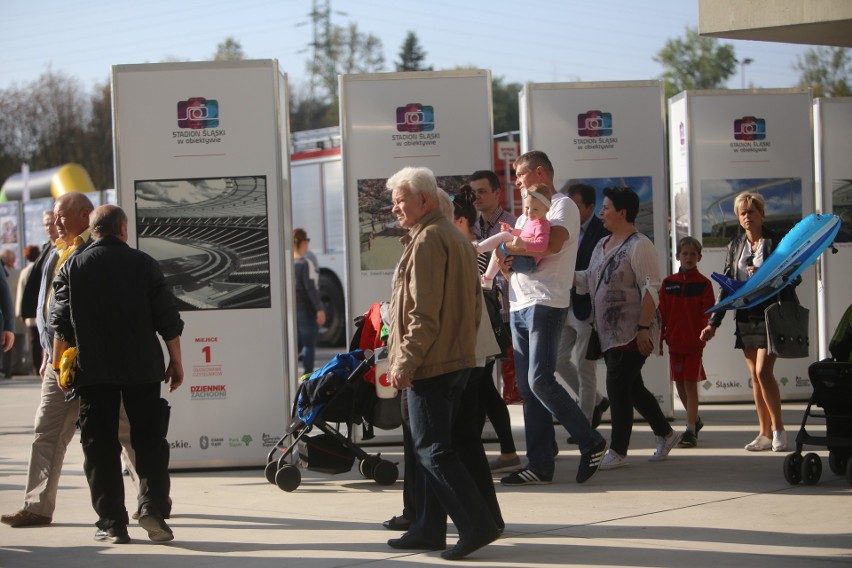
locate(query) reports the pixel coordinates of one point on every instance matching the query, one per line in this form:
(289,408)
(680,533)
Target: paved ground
(715,505)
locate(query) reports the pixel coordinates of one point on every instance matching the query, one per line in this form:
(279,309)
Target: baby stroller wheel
(849,471)
(793,468)
(837,463)
(366,467)
(288,477)
(811,469)
(385,473)
(270,470)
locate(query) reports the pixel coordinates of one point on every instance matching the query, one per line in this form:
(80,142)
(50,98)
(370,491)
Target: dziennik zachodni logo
(198,113)
(594,123)
(749,128)
(415,117)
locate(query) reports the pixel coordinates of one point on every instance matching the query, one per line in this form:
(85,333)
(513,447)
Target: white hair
(417,180)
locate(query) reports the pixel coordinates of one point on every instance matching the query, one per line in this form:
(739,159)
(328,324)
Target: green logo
(246,439)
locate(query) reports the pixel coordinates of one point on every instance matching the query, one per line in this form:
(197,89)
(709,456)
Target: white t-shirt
(550,283)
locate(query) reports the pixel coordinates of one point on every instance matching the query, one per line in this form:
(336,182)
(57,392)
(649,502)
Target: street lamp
(743,63)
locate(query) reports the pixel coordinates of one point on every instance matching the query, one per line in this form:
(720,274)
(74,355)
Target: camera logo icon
(198,113)
(594,123)
(415,117)
(749,128)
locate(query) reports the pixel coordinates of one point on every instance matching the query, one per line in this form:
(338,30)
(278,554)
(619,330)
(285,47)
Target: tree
(504,102)
(695,62)
(411,55)
(51,122)
(827,70)
(229,50)
(341,51)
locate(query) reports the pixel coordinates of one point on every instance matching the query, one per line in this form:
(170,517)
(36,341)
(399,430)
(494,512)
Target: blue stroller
(331,396)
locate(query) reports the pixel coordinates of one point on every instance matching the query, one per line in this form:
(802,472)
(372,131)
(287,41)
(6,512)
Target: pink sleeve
(540,237)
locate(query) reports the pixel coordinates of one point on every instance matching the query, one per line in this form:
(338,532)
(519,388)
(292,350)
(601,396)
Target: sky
(529,41)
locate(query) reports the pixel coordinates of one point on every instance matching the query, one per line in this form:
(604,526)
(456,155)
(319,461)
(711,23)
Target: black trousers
(99,409)
(467,441)
(626,390)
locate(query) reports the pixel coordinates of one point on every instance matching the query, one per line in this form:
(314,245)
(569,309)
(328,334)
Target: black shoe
(158,530)
(597,413)
(698,426)
(589,462)
(688,440)
(406,542)
(526,476)
(397,524)
(464,548)
(571,440)
(115,535)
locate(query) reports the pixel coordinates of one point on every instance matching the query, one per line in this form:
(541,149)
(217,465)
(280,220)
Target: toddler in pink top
(533,238)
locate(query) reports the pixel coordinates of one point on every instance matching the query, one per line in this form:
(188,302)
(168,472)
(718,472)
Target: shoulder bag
(787,330)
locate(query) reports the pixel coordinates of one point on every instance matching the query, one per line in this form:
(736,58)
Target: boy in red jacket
(684,297)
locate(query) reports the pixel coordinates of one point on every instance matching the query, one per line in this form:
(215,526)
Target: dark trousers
(36,353)
(444,486)
(99,408)
(626,390)
(494,407)
(467,440)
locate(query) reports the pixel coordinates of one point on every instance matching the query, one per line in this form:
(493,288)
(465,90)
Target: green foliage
(504,101)
(827,70)
(411,55)
(229,50)
(342,51)
(51,122)
(695,62)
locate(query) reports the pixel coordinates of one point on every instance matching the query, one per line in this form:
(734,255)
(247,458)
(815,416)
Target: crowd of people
(572,287)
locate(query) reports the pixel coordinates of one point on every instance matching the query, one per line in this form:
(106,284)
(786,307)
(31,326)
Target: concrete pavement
(714,505)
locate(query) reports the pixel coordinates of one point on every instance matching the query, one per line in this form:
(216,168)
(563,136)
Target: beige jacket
(435,304)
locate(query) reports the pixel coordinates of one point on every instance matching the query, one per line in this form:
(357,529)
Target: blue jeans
(307,332)
(443,485)
(536,331)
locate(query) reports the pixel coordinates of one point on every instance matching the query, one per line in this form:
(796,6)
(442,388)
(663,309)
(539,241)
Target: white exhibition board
(722,143)
(201,170)
(439,120)
(608,134)
(832,144)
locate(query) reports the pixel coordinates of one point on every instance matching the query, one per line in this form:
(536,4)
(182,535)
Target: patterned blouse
(626,274)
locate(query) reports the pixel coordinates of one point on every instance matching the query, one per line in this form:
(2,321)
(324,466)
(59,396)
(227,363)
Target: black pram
(331,396)
(832,384)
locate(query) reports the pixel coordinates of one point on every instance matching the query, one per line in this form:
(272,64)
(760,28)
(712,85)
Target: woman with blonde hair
(746,253)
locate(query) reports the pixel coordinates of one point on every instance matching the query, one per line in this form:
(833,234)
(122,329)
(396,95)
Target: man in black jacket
(111,301)
(581,374)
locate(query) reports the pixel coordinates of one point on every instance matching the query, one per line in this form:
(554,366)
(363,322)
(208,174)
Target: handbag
(593,349)
(787,330)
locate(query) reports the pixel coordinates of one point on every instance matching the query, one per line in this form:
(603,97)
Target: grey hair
(417,180)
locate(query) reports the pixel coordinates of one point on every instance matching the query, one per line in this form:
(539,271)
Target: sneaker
(24,518)
(779,440)
(698,426)
(597,413)
(613,460)
(590,461)
(664,446)
(526,476)
(688,440)
(115,535)
(499,465)
(158,530)
(759,444)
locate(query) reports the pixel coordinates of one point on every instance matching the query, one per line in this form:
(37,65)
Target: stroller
(832,383)
(336,394)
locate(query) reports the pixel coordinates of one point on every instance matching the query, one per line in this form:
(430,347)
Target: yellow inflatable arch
(48,183)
